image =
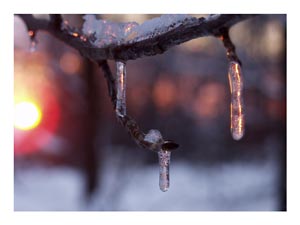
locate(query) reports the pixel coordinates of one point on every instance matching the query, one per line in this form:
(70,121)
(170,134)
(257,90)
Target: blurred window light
(164,94)
(210,100)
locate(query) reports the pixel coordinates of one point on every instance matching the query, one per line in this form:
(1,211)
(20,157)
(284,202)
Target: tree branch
(133,48)
(111,84)
(136,45)
(230,48)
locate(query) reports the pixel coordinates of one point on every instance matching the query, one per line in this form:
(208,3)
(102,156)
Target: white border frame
(7,214)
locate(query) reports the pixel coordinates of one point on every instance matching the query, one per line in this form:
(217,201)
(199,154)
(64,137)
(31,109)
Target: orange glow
(164,94)
(30,33)
(237,71)
(209,101)
(240,125)
(70,63)
(27,115)
(122,80)
(75,34)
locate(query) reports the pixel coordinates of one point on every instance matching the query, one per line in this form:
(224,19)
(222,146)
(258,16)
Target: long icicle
(237,116)
(235,77)
(121,89)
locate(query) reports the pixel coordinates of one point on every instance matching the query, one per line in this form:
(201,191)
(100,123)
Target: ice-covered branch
(150,38)
(100,40)
(153,140)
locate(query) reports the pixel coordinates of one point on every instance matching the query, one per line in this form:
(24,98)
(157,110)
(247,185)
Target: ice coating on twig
(159,24)
(237,116)
(121,89)
(164,158)
(104,32)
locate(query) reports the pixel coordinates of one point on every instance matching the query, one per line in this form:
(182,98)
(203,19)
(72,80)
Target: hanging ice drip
(163,149)
(237,116)
(235,77)
(164,158)
(121,89)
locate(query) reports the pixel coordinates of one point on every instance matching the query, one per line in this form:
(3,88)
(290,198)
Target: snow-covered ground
(238,186)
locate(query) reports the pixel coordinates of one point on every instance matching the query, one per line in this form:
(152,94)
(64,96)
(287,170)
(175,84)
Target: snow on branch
(102,40)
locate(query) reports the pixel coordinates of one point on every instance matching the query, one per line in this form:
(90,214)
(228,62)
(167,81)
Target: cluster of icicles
(153,137)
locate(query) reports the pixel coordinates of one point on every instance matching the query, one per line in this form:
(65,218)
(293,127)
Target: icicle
(121,89)
(237,105)
(164,164)
(33,41)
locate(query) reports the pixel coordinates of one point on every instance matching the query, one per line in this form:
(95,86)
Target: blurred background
(71,153)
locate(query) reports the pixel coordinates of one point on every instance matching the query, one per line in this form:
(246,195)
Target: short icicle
(237,116)
(121,89)
(164,158)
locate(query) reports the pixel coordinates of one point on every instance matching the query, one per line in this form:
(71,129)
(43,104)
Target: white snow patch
(236,186)
(160,24)
(40,189)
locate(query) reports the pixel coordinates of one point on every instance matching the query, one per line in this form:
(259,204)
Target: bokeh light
(27,115)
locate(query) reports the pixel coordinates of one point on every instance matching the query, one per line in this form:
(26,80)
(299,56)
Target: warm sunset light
(27,115)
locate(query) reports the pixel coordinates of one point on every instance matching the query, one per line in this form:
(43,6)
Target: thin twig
(229,46)
(111,83)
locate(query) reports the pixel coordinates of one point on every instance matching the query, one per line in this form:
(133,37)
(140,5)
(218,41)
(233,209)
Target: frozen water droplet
(32,47)
(237,116)
(121,89)
(164,158)
(153,136)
